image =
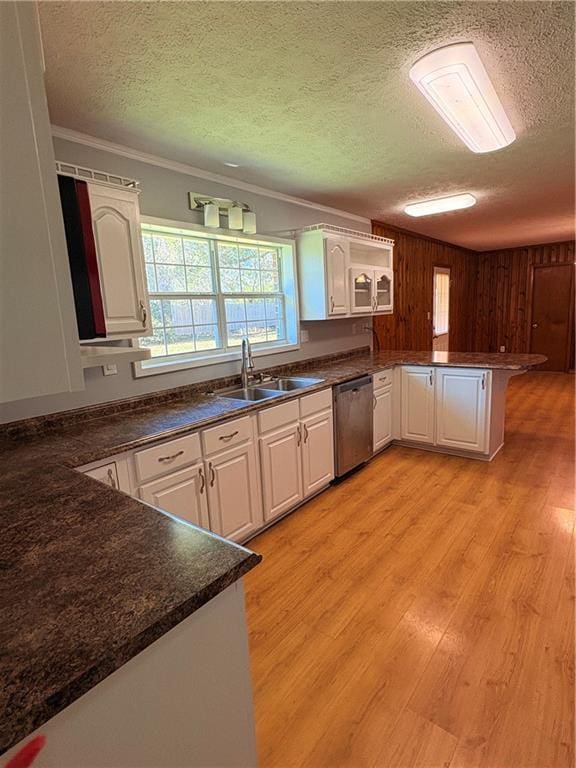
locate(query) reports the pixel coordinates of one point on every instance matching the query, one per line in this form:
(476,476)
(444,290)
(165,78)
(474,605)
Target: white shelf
(96,355)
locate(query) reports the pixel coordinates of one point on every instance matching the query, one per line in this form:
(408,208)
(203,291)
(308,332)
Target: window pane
(196,252)
(249,258)
(177,312)
(207,337)
(148,250)
(170,279)
(255,309)
(230,280)
(274,308)
(204,311)
(168,250)
(268,259)
(228,256)
(155,343)
(257,331)
(235,310)
(199,280)
(156,313)
(180,340)
(270,282)
(236,332)
(275,330)
(250,282)
(151,277)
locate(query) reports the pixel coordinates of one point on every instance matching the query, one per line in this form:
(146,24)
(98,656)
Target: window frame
(289,292)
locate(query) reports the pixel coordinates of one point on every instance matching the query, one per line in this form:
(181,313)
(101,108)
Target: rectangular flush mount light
(455,82)
(440,205)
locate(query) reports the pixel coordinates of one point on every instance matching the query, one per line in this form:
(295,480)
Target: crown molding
(172,165)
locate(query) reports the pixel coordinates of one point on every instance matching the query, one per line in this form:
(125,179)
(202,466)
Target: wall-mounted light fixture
(239,215)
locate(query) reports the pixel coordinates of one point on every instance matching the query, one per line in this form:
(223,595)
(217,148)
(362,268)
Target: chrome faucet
(247,370)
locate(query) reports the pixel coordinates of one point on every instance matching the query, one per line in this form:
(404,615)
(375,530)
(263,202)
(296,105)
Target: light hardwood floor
(421,613)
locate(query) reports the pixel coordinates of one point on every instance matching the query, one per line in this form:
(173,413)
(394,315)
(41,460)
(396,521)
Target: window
(208,292)
(441,300)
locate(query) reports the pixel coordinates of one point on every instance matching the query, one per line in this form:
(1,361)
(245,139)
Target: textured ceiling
(313,99)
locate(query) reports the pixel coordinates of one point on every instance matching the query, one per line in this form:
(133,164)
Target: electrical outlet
(109,370)
(502,349)
(304,336)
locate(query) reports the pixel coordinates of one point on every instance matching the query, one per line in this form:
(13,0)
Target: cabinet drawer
(319,401)
(107,473)
(166,457)
(227,435)
(278,416)
(382,379)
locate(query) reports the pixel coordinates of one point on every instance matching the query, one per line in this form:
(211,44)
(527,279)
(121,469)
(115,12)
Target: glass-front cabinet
(370,289)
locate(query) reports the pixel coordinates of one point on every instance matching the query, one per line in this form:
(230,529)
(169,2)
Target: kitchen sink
(292,382)
(252,394)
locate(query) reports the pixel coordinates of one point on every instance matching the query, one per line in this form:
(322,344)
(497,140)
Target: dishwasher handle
(355,384)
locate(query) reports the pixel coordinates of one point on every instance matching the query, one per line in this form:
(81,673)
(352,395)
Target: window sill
(182,364)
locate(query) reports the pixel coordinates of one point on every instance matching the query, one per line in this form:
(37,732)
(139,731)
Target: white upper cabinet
(116,225)
(417,416)
(461,408)
(336,259)
(343,272)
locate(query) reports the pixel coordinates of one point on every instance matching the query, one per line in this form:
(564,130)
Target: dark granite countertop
(91,576)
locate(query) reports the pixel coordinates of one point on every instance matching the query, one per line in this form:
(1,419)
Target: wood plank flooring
(422,612)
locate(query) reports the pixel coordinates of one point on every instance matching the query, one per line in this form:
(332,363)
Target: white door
(317,452)
(181,493)
(461,408)
(234,492)
(382,417)
(281,470)
(383,290)
(361,290)
(336,253)
(116,224)
(441,310)
(417,410)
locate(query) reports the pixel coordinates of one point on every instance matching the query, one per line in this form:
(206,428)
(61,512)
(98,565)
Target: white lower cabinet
(461,412)
(317,452)
(281,470)
(382,427)
(418,405)
(182,493)
(234,498)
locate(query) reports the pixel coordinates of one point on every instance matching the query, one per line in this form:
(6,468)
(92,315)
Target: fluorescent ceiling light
(232,165)
(440,205)
(455,82)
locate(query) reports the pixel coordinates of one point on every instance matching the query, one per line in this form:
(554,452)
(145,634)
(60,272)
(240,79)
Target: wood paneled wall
(504,294)
(415,256)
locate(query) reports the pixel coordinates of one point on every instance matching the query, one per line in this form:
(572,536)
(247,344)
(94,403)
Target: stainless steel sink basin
(252,394)
(292,382)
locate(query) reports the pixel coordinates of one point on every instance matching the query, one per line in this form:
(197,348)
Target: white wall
(165,194)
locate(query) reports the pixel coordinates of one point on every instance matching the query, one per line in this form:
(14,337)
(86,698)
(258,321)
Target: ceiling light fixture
(455,82)
(232,165)
(440,205)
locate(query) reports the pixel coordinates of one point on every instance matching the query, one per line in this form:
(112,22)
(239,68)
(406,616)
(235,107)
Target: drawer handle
(298,435)
(305,432)
(383,378)
(483,381)
(431,379)
(143,313)
(331,303)
(229,437)
(212,475)
(202,480)
(170,458)
(374,402)
(111,478)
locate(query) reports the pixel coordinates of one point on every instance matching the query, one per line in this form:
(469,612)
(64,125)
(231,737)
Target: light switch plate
(109,370)
(502,349)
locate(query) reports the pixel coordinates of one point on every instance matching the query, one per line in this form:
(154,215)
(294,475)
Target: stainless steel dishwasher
(353,417)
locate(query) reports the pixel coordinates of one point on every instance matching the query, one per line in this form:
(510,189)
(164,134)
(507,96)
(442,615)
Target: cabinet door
(336,252)
(281,470)
(383,295)
(116,224)
(181,493)
(361,290)
(461,403)
(382,417)
(317,452)
(234,497)
(417,418)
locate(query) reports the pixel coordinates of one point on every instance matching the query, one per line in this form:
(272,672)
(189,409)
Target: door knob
(534,325)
